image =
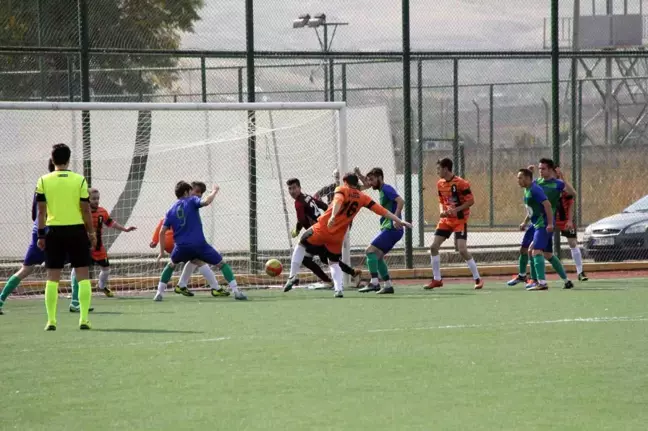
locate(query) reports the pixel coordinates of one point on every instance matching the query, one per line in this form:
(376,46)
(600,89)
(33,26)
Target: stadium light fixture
(317,20)
(301,21)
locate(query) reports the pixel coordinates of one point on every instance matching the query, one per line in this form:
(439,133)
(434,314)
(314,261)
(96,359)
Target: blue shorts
(34,255)
(204,252)
(541,239)
(549,247)
(387,239)
(528,237)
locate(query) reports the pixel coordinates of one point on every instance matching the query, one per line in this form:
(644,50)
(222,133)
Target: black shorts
(67,244)
(569,233)
(318,250)
(446,233)
(104,263)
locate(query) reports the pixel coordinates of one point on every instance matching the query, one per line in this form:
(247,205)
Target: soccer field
(454,358)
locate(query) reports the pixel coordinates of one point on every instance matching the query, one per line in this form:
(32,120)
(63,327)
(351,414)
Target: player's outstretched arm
(155,240)
(210,197)
(362,178)
(161,241)
(383,212)
(119,227)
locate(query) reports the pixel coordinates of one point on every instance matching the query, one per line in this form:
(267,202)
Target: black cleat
(386,291)
(77,309)
(582,276)
(568,284)
(370,288)
(1,312)
(50,327)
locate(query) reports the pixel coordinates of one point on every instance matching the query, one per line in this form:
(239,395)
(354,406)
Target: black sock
(316,269)
(347,269)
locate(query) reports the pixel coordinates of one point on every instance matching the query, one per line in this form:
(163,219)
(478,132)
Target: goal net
(138,152)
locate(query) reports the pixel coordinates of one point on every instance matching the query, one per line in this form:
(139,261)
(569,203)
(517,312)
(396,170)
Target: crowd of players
(68,221)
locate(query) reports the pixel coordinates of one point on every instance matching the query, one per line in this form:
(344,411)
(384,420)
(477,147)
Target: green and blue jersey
(534,196)
(388,196)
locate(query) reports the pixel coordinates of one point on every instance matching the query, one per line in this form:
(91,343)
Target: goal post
(137,159)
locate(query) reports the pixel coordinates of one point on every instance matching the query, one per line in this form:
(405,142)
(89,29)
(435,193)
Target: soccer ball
(273,267)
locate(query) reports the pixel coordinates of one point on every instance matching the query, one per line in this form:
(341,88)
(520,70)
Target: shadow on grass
(146,331)
(115,313)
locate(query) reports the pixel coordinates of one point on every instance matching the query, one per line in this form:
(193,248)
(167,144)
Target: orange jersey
(100,218)
(168,237)
(454,193)
(350,201)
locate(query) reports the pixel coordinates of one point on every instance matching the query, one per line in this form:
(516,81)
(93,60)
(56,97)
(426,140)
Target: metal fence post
(407,130)
(70,78)
(491,154)
(456,157)
(84,46)
(555,98)
(344,82)
(252,176)
(579,158)
(203,79)
(240,84)
(419,152)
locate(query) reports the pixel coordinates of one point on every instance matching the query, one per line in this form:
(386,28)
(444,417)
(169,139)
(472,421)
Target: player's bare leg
(13,283)
(578,258)
(462,248)
(437,281)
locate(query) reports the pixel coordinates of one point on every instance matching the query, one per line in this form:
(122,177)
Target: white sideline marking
(536,322)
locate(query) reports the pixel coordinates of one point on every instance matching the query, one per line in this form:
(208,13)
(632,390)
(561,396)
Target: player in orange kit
(331,227)
(455,200)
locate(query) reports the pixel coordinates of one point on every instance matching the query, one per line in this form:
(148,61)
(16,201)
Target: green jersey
(534,196)
(553,188)
(388,197)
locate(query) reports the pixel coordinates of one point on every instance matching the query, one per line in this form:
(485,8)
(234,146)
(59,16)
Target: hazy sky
(376,24)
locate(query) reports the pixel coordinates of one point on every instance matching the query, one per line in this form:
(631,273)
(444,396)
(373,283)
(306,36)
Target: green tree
(135,24)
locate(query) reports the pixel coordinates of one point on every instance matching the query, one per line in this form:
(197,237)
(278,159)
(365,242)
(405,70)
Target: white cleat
(240,296)
(158,297)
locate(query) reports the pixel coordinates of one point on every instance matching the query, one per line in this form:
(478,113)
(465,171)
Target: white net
(138,156)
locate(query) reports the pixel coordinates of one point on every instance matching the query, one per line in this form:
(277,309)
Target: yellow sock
(51,297)
(85,294)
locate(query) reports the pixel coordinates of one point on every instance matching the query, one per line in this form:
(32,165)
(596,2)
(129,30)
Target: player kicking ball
(190,243)
(455,200)
(331,227)
(308,210)
(98,253)
(390,232)
(540,215)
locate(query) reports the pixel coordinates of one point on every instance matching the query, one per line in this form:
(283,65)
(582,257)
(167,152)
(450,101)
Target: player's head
(336,176)
(182,189)
(525,178)
(198,188)
(61,154)
(547,168)
(444,167)
(94,198)
(50,165)
(350,179)
(375,178)
(294,187)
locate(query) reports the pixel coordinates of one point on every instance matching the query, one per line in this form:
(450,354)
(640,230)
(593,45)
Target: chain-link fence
(481,91)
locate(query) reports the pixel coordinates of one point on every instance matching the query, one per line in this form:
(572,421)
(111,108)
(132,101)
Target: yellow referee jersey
(63,192)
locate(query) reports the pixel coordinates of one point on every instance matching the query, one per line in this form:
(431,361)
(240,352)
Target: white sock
(338,276)
(209,275)
(374,280)
(473,268)
(436,266)
(233,285)
(161,287)
(72,275)
(388,283)
(187,270)
(578,259)
(103,277)
(297,258)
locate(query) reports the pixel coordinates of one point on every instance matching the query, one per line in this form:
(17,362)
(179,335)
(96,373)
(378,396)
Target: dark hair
(199,185)
(445,163)
(550,163)
(50,166)
(182,188)
(376,172)
(292,181)
(526,172)
(61,154)
(351,179)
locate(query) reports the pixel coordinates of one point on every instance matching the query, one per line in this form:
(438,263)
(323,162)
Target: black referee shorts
(67,243)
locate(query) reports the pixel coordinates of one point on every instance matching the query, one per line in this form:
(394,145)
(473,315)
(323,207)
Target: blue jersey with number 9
(184,219)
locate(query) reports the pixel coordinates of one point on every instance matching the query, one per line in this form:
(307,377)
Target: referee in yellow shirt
(63,199)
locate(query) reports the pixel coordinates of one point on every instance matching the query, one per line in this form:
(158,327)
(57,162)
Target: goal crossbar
(135,106)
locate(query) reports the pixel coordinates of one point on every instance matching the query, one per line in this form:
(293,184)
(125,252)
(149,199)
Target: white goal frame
(339,107)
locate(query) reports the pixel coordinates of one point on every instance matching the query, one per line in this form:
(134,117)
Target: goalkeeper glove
(294,233)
